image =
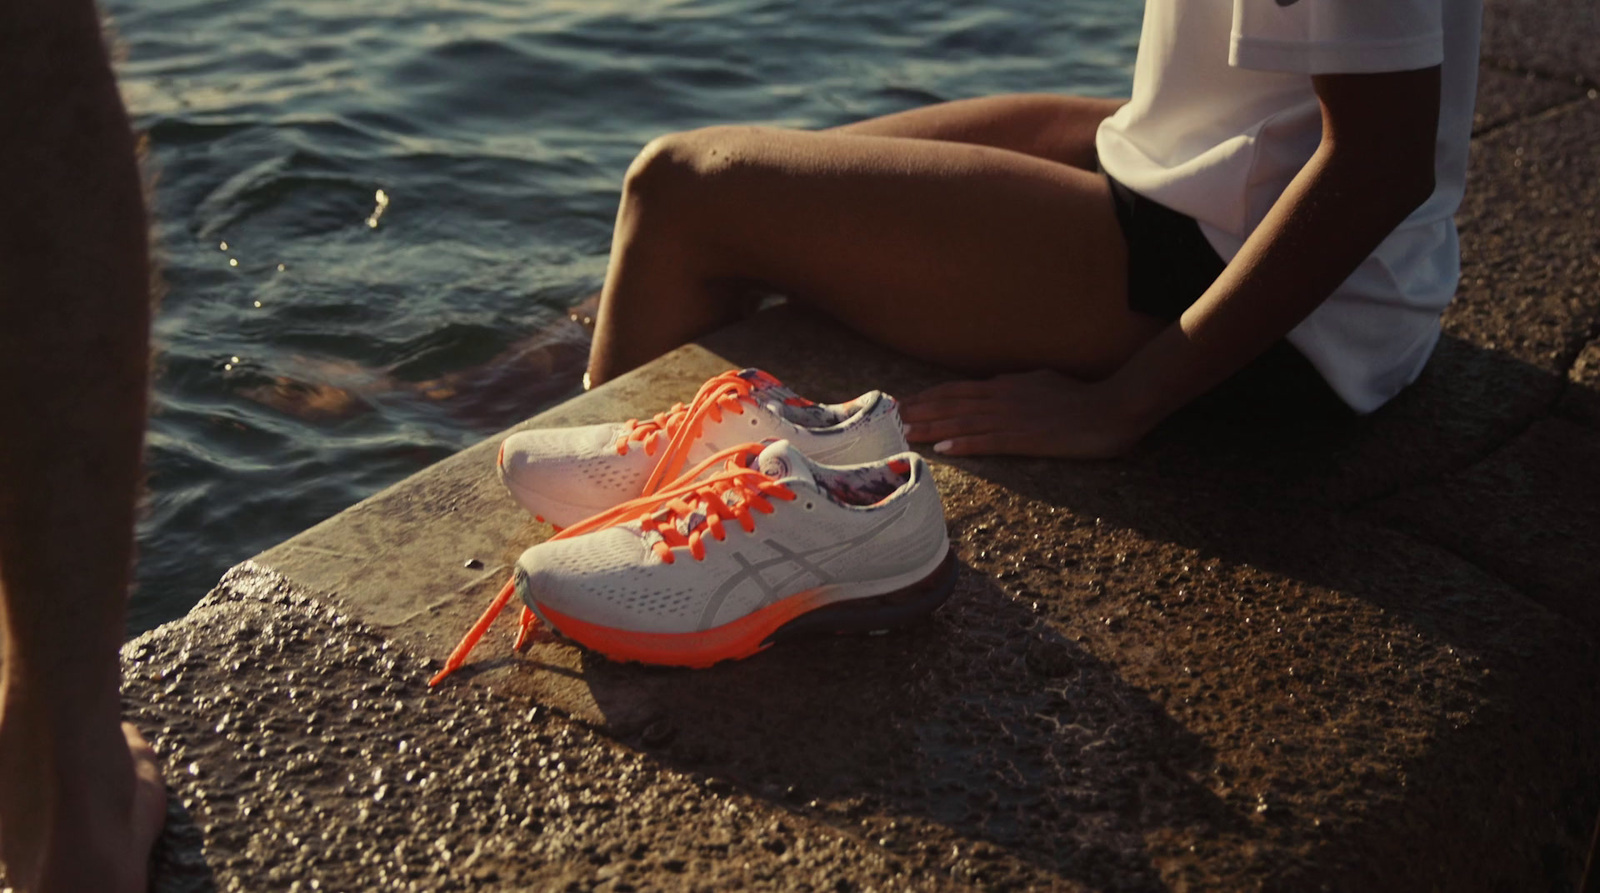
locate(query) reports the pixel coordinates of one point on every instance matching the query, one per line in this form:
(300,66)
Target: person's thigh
(974,257)
(1048,126)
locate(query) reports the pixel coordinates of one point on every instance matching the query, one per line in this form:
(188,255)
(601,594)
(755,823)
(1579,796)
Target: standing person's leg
(971,256)
(81,799)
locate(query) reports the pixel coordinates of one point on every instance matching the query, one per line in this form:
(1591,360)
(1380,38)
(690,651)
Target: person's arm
(1373,168)
(80,796)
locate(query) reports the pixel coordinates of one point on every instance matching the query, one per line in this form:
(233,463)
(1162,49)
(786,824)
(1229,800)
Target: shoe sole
(810,613)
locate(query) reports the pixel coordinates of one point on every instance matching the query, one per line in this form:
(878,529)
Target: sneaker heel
(876,614)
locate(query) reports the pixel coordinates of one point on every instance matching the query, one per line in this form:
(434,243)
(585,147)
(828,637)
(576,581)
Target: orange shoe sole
(809,613)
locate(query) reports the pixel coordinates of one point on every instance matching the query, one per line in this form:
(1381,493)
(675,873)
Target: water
(299,321)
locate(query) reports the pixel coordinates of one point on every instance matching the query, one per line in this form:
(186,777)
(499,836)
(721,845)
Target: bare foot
(105,808)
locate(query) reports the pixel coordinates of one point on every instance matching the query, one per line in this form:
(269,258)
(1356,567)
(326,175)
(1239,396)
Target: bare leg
(81,799)
(934,248)
(1044,125)
(1055,128)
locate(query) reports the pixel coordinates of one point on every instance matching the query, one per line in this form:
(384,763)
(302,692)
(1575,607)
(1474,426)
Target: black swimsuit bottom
(1170,265)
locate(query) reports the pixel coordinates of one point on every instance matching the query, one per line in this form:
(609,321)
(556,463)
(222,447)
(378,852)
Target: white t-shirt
(1223,116)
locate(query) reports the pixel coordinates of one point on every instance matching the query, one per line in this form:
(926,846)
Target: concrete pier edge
(1251,656)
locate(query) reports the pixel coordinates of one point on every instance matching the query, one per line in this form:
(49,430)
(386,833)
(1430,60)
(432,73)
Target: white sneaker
(563,475)
(754,546)
(770,547)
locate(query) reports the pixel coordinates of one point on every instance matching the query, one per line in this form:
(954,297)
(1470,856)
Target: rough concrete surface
(1554,38)
(1136,686)
(1257,654)
(306,753)
(1530,514)
(1530,287)
(1507,96)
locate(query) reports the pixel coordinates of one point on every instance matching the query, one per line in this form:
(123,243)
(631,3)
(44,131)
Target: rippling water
(302,327)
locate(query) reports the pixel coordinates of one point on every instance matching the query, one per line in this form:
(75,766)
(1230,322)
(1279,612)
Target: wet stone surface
(304,752)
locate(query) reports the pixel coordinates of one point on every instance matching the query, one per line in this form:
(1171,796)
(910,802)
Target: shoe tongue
(777,460)
(765,388)
(780,459)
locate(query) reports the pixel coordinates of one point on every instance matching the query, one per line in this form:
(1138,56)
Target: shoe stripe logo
(807,562)
(828,451)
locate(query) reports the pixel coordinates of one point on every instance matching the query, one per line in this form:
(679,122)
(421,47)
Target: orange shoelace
(681,425)
(710,502)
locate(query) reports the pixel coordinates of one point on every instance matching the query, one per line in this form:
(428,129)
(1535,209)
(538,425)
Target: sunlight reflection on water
(357,200)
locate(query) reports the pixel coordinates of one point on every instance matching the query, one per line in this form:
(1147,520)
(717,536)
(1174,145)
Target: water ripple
(499,130)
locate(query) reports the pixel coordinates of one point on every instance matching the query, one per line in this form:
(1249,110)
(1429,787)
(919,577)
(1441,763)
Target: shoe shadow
(1438,518)
(982,726)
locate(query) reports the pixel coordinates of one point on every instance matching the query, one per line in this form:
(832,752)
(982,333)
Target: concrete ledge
(1269,656)
(306,753)
(1526,513)
(1143,681)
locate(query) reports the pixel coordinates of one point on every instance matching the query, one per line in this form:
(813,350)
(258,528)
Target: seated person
(1282,183)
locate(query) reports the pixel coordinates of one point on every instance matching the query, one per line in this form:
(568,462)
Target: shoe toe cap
(569,464)
(609,578)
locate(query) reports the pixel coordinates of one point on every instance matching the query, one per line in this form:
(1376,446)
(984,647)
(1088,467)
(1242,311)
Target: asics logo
(809,562)
(837,447)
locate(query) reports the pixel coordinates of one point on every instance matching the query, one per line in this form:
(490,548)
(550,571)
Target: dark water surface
(297,314)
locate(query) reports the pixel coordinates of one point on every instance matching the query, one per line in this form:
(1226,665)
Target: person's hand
(1040,413)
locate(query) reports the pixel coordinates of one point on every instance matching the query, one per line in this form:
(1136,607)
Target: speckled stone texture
(1529,513)
(1264,652)
(1555,38)
(1149,678)
(306,752)
(1508,96)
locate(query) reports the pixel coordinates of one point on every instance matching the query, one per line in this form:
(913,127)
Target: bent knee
(689,160)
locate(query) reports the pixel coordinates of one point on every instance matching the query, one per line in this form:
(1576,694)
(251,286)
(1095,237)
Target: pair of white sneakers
(718,528)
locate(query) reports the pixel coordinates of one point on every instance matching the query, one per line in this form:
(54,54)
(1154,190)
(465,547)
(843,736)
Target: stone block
(303,750)
(1555,38)
(1137,684)
(1528,513)
(1530,287)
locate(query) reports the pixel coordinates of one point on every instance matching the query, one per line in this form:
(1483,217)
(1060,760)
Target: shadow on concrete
(983,722)
(1457,557)
(179,864)
(1469,405)
(1422,532)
